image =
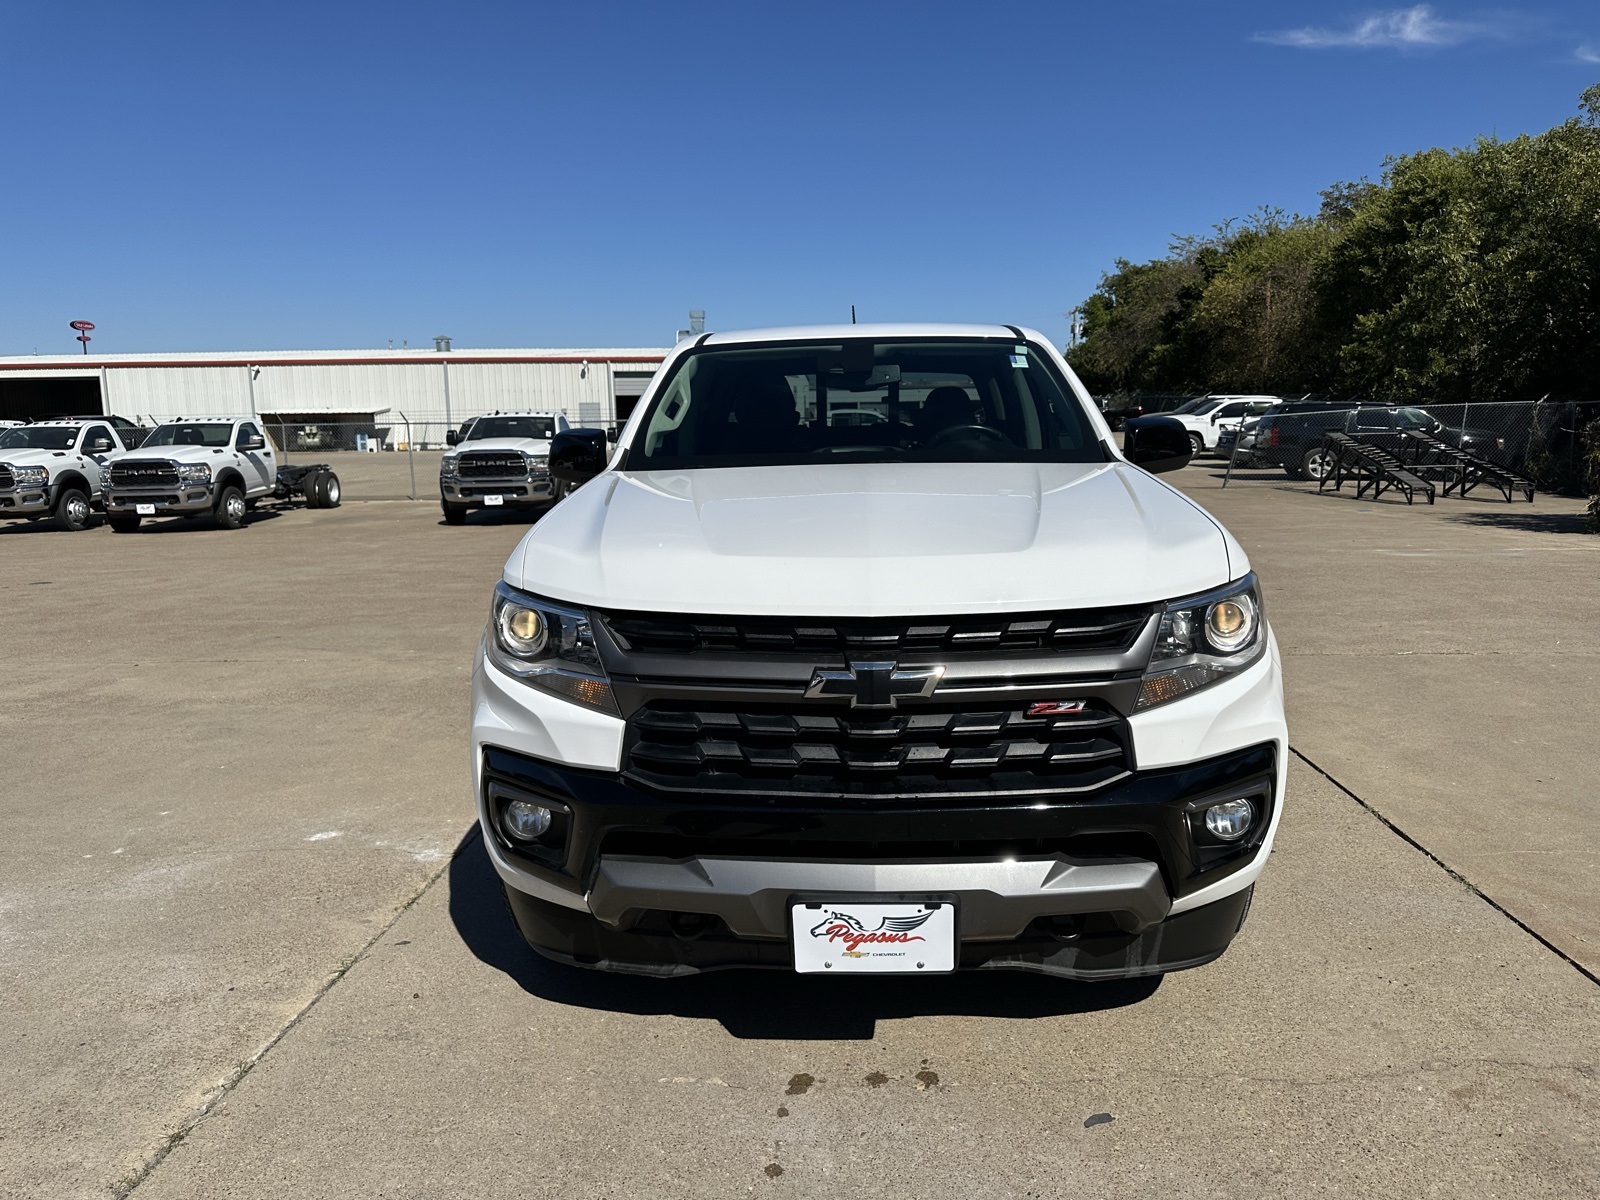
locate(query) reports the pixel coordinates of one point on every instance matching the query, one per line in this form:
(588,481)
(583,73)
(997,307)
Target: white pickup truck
(868,650)
(56,469)
(194,465)
(499,459)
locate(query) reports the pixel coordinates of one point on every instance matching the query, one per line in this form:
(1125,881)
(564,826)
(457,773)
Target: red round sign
(82,326)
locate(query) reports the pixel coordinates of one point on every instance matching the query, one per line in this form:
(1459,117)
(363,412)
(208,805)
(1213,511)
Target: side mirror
(1157,444)
(611,433)
(99,445)
(453,438)
(577,455)
(252,441)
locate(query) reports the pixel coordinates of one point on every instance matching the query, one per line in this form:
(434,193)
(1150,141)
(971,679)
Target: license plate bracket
(874,934)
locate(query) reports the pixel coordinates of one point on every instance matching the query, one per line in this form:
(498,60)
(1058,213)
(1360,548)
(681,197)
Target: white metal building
(390,390)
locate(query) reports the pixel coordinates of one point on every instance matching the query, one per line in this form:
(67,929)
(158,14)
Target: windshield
(39,437)
(189,434)
(539,428)
(891,401)
(1203,406)
(1188,406)
(1414,418)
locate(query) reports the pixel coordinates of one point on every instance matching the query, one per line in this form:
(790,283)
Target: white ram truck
(499,459)
(868,650)
(191,466)
(56,469)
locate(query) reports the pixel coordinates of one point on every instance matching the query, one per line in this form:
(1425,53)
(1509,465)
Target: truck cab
(57,469)
(499,459)
(191,466)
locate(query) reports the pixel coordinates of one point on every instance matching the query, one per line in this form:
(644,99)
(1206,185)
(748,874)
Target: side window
(1229,410)
(246,431)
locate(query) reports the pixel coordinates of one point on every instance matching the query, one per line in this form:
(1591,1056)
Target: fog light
(525,821)
(1230,820)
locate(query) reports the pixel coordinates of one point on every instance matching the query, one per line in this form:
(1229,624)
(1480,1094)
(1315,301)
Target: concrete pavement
(232,808)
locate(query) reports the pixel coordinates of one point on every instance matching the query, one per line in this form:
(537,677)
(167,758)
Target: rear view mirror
(578,455)
(1157,443)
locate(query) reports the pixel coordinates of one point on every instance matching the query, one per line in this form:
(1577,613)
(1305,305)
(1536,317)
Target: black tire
(72,510)
(454,514)
(1199,444)
(124,524)
(1317,465)
(308,489)
(230,511)
(327,488)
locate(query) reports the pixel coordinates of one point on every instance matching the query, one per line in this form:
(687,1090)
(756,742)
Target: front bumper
(25,501)
(179,499)
(1113,883)
(469,492)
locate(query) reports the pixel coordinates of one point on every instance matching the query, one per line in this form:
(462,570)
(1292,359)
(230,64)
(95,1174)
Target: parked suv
(194,465)
(56,469)
(959,687)
(503,458)
(1290,436)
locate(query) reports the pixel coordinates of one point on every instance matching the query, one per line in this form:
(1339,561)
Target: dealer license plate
(145,510)
(854,937)
(491,501)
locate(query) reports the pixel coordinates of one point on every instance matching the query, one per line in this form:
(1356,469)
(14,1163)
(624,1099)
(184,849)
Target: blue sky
(288,176)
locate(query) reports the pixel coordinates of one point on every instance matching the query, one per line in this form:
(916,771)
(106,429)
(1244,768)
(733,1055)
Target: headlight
(31,476)
(548,646)
(194,472)
(447,465)
(538,462)
(1203,639)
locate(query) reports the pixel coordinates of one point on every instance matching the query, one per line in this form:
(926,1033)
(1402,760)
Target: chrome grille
(152,472)
(486,464)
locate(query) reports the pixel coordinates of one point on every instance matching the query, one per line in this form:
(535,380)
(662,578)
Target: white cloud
(1587,54)
(1399,29)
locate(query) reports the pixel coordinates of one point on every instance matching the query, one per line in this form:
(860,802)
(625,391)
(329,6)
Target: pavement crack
(218,1094)
(1455,874)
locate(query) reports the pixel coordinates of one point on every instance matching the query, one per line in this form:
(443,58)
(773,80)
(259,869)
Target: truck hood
(179,454)
(875,540)
(526,445)
(26,456)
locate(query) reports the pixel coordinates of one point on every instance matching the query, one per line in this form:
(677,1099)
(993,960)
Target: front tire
(73,511)
(230,510)
(1198,443)
(454,514)
(124,524)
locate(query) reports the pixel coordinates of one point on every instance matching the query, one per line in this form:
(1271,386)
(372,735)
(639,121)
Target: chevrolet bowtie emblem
(873,684)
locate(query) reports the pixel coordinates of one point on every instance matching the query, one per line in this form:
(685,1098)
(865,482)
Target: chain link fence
(389,457)
(1544,441)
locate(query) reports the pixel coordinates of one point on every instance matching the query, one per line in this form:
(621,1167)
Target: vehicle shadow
(199,521)
(754,1003)
(1524,519)
(503,516)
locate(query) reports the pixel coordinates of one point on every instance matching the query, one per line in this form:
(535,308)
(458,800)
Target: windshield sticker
(1019,360)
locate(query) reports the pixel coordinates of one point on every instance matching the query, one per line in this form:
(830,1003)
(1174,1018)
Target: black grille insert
(1087,630)
(929,752)
(7,479)
(143,473)
(484,464)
